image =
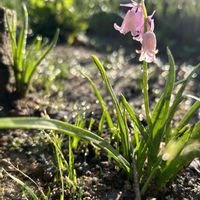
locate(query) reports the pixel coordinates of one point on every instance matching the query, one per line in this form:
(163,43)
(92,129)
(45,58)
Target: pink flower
(133,20)
(150,27)
(141,30)
(148,51)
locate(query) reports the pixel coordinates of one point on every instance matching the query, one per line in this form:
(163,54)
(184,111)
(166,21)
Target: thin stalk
(145,90)
(145,73)
(144,10)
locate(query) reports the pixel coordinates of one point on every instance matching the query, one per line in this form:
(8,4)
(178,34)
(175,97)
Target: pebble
(95,180)
(86,194)
(88,173)
(87,198)
(190,183)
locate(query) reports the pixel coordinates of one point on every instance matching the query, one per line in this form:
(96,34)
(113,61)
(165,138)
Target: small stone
(87,198)
(94,180)
(88,173)
(86,194)
(190,183)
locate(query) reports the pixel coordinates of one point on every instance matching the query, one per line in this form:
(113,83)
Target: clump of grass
(26,59)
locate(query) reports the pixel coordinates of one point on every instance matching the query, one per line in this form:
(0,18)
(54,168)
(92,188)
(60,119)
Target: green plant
(150,155)
(47,15)
(26,59)
(68,181)
(159,150)
(181,142)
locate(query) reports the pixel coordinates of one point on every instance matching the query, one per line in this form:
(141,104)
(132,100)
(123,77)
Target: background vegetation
(177,22)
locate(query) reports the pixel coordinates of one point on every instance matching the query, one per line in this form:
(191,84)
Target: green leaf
(12,32)
(161,111)
(186,118)
(140,127)
(101,123)
(179,96)
(102,104)
(123,130)
(21,46)
(31,56)
(72,172)
(65,128)
(134,117)
(179,154)
(43,55)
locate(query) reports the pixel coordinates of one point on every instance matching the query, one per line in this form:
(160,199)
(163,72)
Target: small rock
(86,194)
(94,180)
(88,173)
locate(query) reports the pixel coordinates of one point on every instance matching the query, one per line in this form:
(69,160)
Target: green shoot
(26,60)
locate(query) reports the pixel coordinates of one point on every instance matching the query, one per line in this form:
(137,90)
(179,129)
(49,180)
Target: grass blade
(134,117)
(161,111)
(31,56)
(123,130)
(102,104)
(101,123)
(138,124)
(181,152)
(12,33)
(39,60)
(65,128)
(179,96)
(187,117)
(21,46)
(72,172)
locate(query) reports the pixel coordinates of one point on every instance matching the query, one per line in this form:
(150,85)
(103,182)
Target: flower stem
(145,15)
(144,10)
(146,96)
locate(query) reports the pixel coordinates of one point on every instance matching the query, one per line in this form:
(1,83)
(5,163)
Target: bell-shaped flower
(148,51)
(149,27)
(133,20)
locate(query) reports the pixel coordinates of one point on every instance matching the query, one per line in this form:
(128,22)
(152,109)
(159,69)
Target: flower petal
(148,50)
(133,21)
(130,5)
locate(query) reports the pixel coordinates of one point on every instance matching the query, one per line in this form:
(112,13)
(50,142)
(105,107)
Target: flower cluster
(141,28)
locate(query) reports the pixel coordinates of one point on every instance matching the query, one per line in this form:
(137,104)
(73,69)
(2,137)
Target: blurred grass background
(91,22)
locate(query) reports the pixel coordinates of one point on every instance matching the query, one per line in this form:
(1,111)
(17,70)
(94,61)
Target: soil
(62,92)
